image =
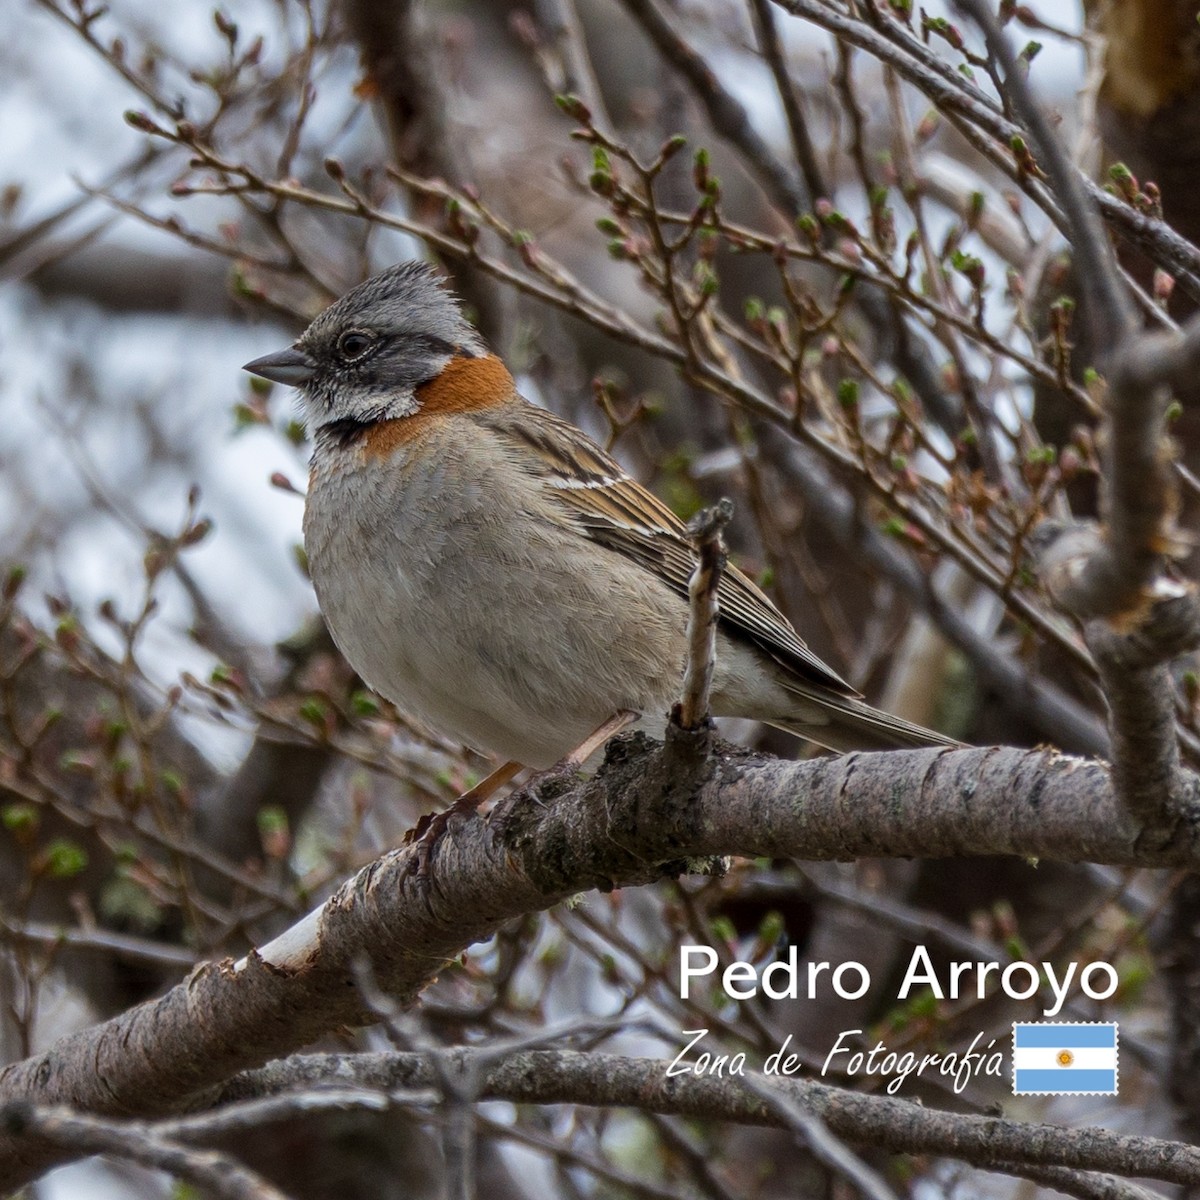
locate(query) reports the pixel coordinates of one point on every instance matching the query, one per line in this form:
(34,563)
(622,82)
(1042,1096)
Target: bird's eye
(353,345)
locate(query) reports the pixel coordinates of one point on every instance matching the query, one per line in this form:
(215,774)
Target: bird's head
(362,360)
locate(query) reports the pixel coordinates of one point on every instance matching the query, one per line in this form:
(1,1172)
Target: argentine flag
(1065,1059)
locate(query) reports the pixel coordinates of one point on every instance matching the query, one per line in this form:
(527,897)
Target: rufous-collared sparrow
(486,566)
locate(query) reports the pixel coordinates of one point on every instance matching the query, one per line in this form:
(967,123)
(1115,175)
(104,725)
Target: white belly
(521,652)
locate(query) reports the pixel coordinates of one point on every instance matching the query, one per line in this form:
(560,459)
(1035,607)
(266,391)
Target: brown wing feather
(617,512)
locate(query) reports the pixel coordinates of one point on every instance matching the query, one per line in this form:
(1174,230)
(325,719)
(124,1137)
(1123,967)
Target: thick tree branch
(645,813)
(1165,358)
(1067,1159)
(1116,579)
(1146,764)
(900,1126)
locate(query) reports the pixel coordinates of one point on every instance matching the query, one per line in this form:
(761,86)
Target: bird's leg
(432,825)
(472,798)
(425,834)
(619,721)
(568,764)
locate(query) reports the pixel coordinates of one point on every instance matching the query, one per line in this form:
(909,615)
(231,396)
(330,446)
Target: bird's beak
(291,366)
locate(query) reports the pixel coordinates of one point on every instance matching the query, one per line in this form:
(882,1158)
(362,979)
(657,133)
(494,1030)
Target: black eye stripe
(437,345)
(354,343)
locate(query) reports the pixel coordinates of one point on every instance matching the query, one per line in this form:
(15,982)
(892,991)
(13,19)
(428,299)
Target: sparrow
(486,566)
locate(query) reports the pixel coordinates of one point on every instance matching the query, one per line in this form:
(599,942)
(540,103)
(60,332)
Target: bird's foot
(432,827)
(566,766)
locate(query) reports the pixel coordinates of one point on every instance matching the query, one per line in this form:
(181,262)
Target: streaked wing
(616,511)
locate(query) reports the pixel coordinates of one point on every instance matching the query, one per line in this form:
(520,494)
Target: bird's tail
(848,724)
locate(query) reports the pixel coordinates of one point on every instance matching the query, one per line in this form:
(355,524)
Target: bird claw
(432,827)
(424,836)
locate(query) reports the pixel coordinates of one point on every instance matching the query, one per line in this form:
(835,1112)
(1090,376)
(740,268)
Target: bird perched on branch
(490,569)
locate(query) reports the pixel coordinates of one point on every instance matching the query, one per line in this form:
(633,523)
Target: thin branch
(457,1081)
(252,1114)
(137,1142)
(399,56)
(568,54)
(703,609)
(119,945)
(893,1124)
(802,147)
(978,117)
(1086,1185)
(725,111)
(1048,707)
(786,190)
(1108,309)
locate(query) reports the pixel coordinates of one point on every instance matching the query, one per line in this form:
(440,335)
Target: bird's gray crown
(408,300)
(361,360)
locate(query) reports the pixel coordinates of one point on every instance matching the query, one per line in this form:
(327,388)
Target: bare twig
(1052,709)
(979,118)
(725,111)
(820,1142)
(705,529)
(1108,308)
(567,45)
(802,147)
(137,1142)
(119,945)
